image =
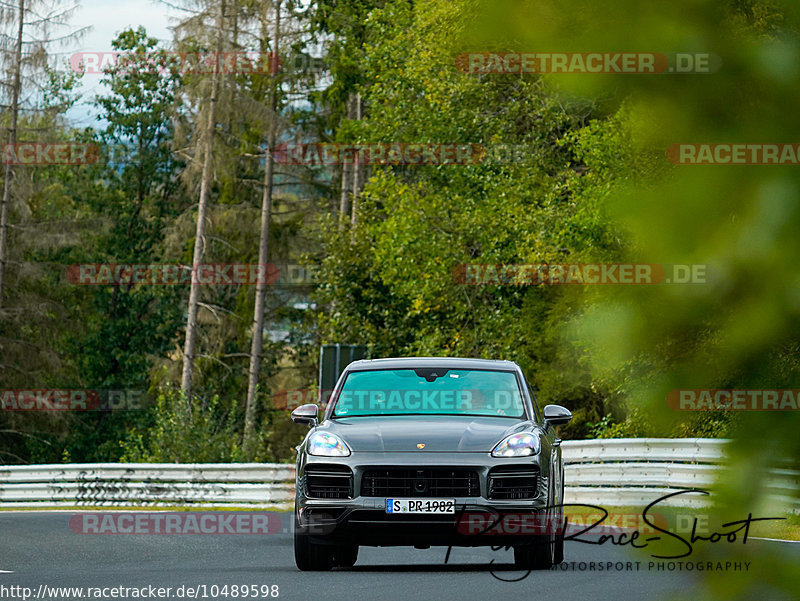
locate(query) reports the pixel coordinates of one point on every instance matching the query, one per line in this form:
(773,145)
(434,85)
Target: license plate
(420,505)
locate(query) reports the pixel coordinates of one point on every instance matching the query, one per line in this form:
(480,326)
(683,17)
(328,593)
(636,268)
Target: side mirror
(555,415)
(306,414)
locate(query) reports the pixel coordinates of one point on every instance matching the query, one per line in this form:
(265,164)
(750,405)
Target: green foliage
(702,424)
(132,207)
(635,425)
(593,186)
(740,329)
(391,283)
(185,432)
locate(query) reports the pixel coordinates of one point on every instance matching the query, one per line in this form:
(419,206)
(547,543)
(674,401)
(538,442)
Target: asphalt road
(40,549)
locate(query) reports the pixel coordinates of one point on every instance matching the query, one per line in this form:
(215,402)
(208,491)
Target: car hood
(443,433)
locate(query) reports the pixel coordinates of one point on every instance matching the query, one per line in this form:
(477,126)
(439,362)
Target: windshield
(430,391)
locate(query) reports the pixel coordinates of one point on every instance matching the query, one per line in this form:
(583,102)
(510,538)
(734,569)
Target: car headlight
(522,444)
(324,444)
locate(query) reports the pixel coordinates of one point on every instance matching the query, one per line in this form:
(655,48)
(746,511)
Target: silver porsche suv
(429,451)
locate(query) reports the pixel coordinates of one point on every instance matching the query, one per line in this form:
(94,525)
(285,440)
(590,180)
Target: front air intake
(328,482)
(513,482)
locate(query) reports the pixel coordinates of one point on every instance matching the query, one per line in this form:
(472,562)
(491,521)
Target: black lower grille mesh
(395,482)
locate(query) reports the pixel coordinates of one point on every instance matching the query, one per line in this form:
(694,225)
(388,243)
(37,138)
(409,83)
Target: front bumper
(363,520)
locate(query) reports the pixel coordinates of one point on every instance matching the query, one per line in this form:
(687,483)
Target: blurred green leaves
(598,187)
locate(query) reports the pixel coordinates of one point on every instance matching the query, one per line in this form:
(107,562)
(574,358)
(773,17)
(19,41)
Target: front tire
(536,555)
(345,556)
(558,550)
(310,556)
(541,553)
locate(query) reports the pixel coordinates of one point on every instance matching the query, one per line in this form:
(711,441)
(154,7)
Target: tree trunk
(12,139)
(357,169)
(263,251)
(347,174)
(199,243)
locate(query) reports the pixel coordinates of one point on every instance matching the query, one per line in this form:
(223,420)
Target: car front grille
(400,482)
(329,482)
(513,482)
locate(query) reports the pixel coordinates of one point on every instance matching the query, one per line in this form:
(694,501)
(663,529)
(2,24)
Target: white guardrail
(637,471)
(609,472)
(255,485)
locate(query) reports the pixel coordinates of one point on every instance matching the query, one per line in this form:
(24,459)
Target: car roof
(443,362)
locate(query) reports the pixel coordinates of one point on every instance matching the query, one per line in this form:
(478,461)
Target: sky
(108,18)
